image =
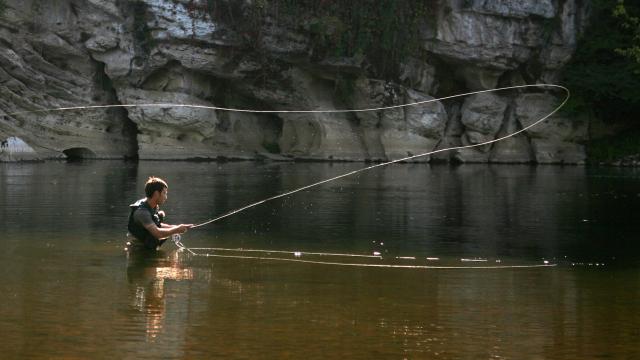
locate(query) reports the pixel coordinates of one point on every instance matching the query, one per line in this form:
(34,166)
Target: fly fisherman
(145,220)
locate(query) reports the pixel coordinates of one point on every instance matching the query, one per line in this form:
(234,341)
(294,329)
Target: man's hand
(182,228)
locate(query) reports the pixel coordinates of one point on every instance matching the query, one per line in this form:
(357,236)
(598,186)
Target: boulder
(554,140)
(512,149)
(171,132)
(482,116)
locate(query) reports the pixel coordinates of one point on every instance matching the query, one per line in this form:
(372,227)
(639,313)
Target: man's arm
(166,230)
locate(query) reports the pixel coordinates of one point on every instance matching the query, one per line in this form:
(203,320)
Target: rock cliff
(67,53)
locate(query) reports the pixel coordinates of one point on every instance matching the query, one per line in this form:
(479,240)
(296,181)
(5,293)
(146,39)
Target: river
(462,262)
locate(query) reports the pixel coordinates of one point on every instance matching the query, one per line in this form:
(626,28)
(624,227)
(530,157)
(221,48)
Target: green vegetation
(604,74)
(604,77)
(3,8)
(271,147)
(384,32)
(614,148)
(141,32)
(631,24)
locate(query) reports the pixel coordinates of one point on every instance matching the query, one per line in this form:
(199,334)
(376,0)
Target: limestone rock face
(397,132)
(44,65)
(170,132)
(425,124)
(72,53)
(317,135)
(419,75)
(489,38)
(516,9)
(516,149)
(14,149)
(556,139)
(482,116)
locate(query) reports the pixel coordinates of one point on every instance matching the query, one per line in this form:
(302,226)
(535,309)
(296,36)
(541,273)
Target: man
(145,220)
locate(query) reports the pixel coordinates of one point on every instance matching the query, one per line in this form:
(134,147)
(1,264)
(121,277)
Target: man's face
(163,196)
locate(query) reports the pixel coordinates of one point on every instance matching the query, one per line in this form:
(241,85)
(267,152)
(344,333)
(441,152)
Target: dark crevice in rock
(79,153)
(130,131)
(223,124)
(449,80)
(272,134)
(121,122)
(159,80)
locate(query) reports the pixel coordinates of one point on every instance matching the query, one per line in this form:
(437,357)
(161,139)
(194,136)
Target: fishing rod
(291,192)
(391,107)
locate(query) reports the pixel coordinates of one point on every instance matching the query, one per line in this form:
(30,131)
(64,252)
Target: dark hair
(154,184)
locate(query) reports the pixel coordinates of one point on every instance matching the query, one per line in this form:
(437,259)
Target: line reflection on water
(318,258)
(64,274)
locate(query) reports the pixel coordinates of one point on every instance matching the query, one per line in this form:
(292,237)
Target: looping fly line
(232,212)
(268,255)
(208,252)
(182,247)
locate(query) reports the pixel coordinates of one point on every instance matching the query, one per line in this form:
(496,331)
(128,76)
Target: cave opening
(79,153)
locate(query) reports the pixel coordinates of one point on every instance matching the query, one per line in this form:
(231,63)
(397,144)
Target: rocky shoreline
(13,150)
(627,161)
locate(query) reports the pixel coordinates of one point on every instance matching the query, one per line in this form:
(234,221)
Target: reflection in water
(376,260)
(371,313)
(148,272)
(63,273)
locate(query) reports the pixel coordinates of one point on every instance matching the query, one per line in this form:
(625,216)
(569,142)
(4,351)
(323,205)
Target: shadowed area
(79,153)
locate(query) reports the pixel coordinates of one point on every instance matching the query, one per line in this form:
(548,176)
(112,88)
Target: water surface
(69,290)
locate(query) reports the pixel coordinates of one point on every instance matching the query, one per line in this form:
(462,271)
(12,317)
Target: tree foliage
(604,74)
(382,32)
(632,24)
(3,8)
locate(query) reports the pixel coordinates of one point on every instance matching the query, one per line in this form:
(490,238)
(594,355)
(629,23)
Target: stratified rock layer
(70,53)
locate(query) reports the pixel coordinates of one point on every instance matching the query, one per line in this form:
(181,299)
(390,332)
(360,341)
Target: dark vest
(136,229)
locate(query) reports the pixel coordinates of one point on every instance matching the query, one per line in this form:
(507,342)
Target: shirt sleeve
(143,217)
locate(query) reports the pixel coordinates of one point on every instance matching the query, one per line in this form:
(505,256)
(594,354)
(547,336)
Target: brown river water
(458,254)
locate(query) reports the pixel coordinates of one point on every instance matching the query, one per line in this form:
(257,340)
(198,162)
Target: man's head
(156,189)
